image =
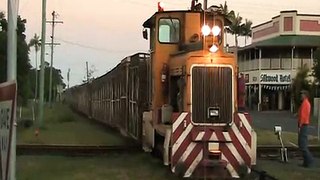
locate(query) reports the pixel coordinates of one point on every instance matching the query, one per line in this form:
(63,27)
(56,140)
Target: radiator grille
(211,88)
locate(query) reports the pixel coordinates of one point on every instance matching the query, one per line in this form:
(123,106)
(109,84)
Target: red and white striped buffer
(189,144)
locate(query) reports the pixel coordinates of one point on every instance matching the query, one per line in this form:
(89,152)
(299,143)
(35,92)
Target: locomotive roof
(149,22)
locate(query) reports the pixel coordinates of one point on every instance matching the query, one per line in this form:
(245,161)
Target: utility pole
(41,87)
(36,89)
(87,71)
(13,6)
(53,22)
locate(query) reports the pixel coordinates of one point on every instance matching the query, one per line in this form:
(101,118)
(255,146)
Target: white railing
(274,64)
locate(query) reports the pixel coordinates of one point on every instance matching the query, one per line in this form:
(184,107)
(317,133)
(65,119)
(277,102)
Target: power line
(96,48)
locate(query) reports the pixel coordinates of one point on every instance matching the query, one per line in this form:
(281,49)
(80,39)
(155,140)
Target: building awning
(287,41)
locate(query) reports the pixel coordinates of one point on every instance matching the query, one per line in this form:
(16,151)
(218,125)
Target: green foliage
(26,123)
(35,42)
(23,65)
(228,15)
(267,137)
(57,79)
(246,30)
(128,166)
(235,26)
(300,83)
(316,69)
(62,126)
(288,171)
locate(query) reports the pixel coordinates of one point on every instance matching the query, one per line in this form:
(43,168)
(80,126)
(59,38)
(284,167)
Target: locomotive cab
(175,37)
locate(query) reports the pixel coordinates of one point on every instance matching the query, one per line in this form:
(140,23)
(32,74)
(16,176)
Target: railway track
(273,150)
(262,151)
(74,150)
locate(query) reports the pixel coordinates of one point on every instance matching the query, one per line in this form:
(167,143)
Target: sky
(103,32)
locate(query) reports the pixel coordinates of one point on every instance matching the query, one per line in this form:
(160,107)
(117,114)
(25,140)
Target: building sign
(7,118)
(275,78)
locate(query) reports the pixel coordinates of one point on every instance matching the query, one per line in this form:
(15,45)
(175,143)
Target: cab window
(169,30)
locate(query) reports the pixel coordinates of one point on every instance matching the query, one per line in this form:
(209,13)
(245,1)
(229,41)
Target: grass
(290,170)
(62,126)
(267,137)
(112,167)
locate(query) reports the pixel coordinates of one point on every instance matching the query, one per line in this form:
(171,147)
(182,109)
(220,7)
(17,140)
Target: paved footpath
(268,119)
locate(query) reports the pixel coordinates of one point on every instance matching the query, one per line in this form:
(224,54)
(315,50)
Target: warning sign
(7,118)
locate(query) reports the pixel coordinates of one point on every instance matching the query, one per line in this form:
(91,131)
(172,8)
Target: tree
(316,71)
(300,83)
(35,42)
(246,30)
(23,65)
(89,76)
(228,15)
(236,27)
(316,66)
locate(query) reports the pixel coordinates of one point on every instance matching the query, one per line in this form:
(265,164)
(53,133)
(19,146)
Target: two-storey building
(279,48)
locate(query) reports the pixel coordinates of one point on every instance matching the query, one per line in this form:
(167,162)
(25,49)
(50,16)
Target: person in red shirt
(303,124)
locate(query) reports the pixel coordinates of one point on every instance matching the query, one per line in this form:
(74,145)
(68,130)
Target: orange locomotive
(181,99)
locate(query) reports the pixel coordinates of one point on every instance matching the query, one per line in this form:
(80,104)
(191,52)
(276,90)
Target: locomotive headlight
(213,112)
(216,30)
(213,48)
(205,30)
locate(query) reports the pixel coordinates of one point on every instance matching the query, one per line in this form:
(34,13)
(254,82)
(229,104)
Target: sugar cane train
(183,97)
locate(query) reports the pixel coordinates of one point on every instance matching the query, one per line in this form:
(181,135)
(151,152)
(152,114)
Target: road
(268,119)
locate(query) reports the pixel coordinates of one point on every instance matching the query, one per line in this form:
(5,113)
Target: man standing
(303,124)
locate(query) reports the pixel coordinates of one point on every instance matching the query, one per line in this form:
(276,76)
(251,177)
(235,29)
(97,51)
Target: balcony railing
(274,64)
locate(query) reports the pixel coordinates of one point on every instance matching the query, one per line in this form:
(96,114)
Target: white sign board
(275,78)
(7,117)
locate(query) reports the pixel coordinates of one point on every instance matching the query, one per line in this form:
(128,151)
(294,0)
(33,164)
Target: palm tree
(2,16)
(246,30)
(235,28)
(35,42)
(227,15)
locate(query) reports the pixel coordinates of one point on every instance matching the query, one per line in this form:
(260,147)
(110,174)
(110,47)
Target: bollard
(283,150)
(284,154)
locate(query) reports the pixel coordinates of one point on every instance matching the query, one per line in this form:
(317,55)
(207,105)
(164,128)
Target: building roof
(287,41)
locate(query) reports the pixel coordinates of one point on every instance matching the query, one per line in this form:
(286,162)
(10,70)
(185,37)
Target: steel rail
(292,150)
(23,149)
(104,149)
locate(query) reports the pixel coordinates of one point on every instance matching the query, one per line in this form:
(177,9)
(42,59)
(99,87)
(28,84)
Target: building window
(169,30)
